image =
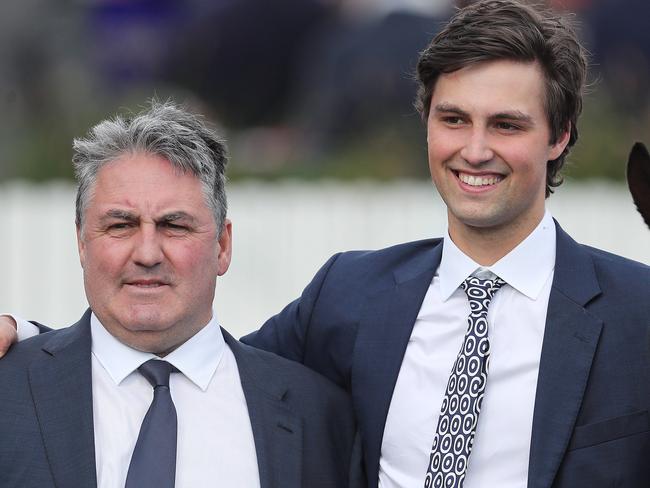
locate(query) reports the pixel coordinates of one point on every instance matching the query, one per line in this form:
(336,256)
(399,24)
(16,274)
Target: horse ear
(638,179)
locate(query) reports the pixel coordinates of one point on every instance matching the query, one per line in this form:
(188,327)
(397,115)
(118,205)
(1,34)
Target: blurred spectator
(359,76)
(301,85)
(131,39)
(621,49)
(240,55)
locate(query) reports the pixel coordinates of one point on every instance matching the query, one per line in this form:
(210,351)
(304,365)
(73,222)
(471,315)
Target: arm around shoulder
(14,329)
(8,333)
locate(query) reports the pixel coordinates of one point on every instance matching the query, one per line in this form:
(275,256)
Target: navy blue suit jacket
(302,424)
(591,422)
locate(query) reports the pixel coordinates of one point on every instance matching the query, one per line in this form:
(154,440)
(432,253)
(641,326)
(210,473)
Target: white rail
(282,233)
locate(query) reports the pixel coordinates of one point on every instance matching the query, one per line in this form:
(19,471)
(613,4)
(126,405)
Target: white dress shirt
(215,438)
(24,328)
(516,317)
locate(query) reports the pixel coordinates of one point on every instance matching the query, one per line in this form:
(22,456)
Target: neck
(487,245)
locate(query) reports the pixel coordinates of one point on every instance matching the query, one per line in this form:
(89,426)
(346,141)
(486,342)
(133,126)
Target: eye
(507,126)
(119,229)
(453,120)
(175,229)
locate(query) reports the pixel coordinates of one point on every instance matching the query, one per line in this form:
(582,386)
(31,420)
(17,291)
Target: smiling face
(488,144)
(150,253)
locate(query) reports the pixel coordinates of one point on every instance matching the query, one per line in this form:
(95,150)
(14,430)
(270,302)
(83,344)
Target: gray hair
(162,129)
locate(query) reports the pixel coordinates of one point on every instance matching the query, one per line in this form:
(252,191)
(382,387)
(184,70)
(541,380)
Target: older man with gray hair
(146,390)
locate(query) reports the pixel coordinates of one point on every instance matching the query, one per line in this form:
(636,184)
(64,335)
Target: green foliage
(42,151)
(606,137)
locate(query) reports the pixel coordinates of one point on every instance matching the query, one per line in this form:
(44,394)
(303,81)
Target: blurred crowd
(300,87)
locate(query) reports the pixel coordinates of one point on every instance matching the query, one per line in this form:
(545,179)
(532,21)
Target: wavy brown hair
(491,30)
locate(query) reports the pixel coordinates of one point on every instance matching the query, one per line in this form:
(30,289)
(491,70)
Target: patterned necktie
(461,404)
(153,463)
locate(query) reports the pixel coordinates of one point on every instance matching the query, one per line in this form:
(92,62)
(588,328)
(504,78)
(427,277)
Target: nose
(476,149)
(147,248)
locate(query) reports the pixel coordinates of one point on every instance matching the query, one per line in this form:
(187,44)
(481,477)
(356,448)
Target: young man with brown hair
(504,354)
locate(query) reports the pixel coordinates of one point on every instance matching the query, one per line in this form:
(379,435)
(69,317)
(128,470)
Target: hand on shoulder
(8,333)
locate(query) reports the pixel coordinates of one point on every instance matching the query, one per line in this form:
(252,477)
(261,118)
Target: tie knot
(157,372)
(481,290)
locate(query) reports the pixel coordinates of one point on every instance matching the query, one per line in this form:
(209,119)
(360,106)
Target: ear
(558,148)
(81,246)
(225,248)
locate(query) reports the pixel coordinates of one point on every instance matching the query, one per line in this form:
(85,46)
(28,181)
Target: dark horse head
(638,179)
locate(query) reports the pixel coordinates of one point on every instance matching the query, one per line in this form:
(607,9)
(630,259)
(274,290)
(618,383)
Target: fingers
(8,333)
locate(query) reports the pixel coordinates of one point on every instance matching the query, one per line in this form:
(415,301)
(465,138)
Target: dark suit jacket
(591,421)
(302,424)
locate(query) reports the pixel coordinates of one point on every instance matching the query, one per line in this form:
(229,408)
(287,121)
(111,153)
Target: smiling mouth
(478,180)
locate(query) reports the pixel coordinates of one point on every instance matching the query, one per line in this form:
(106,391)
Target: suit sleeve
(41,328)
(286,333)
(27,329)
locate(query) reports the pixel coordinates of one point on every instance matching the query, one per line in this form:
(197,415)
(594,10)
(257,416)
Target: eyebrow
(118,214)
(175,216)
(131,217)
(449,108)
(515,115)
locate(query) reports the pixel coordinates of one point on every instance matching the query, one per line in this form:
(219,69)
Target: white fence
(282,233)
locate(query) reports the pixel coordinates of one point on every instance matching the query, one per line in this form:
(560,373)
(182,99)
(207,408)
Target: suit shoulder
(397,251)
(22,353)
(624,267)
(380,261)
(624,284)
(301,379)
(14,370)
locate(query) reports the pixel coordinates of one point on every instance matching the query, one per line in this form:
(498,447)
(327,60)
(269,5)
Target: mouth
(478,181)
(146,284)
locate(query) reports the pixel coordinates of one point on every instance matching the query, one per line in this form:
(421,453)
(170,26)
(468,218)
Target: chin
(476,219)
(482,216)
(146,319)
(482,223)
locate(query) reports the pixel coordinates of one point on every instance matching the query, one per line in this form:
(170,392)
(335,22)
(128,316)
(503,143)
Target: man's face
(150,253)
(488,139)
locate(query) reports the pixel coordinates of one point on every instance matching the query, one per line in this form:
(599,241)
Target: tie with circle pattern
(461,404)
(153,463)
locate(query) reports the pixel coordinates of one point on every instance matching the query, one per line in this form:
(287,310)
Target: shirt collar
(526,268)
(197,358)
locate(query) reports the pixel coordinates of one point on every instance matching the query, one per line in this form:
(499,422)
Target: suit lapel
(384,331)
(61,386)
(570,341)
(276,430)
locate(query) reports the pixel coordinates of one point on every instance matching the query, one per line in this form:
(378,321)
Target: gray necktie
(461,404)
(153,463)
